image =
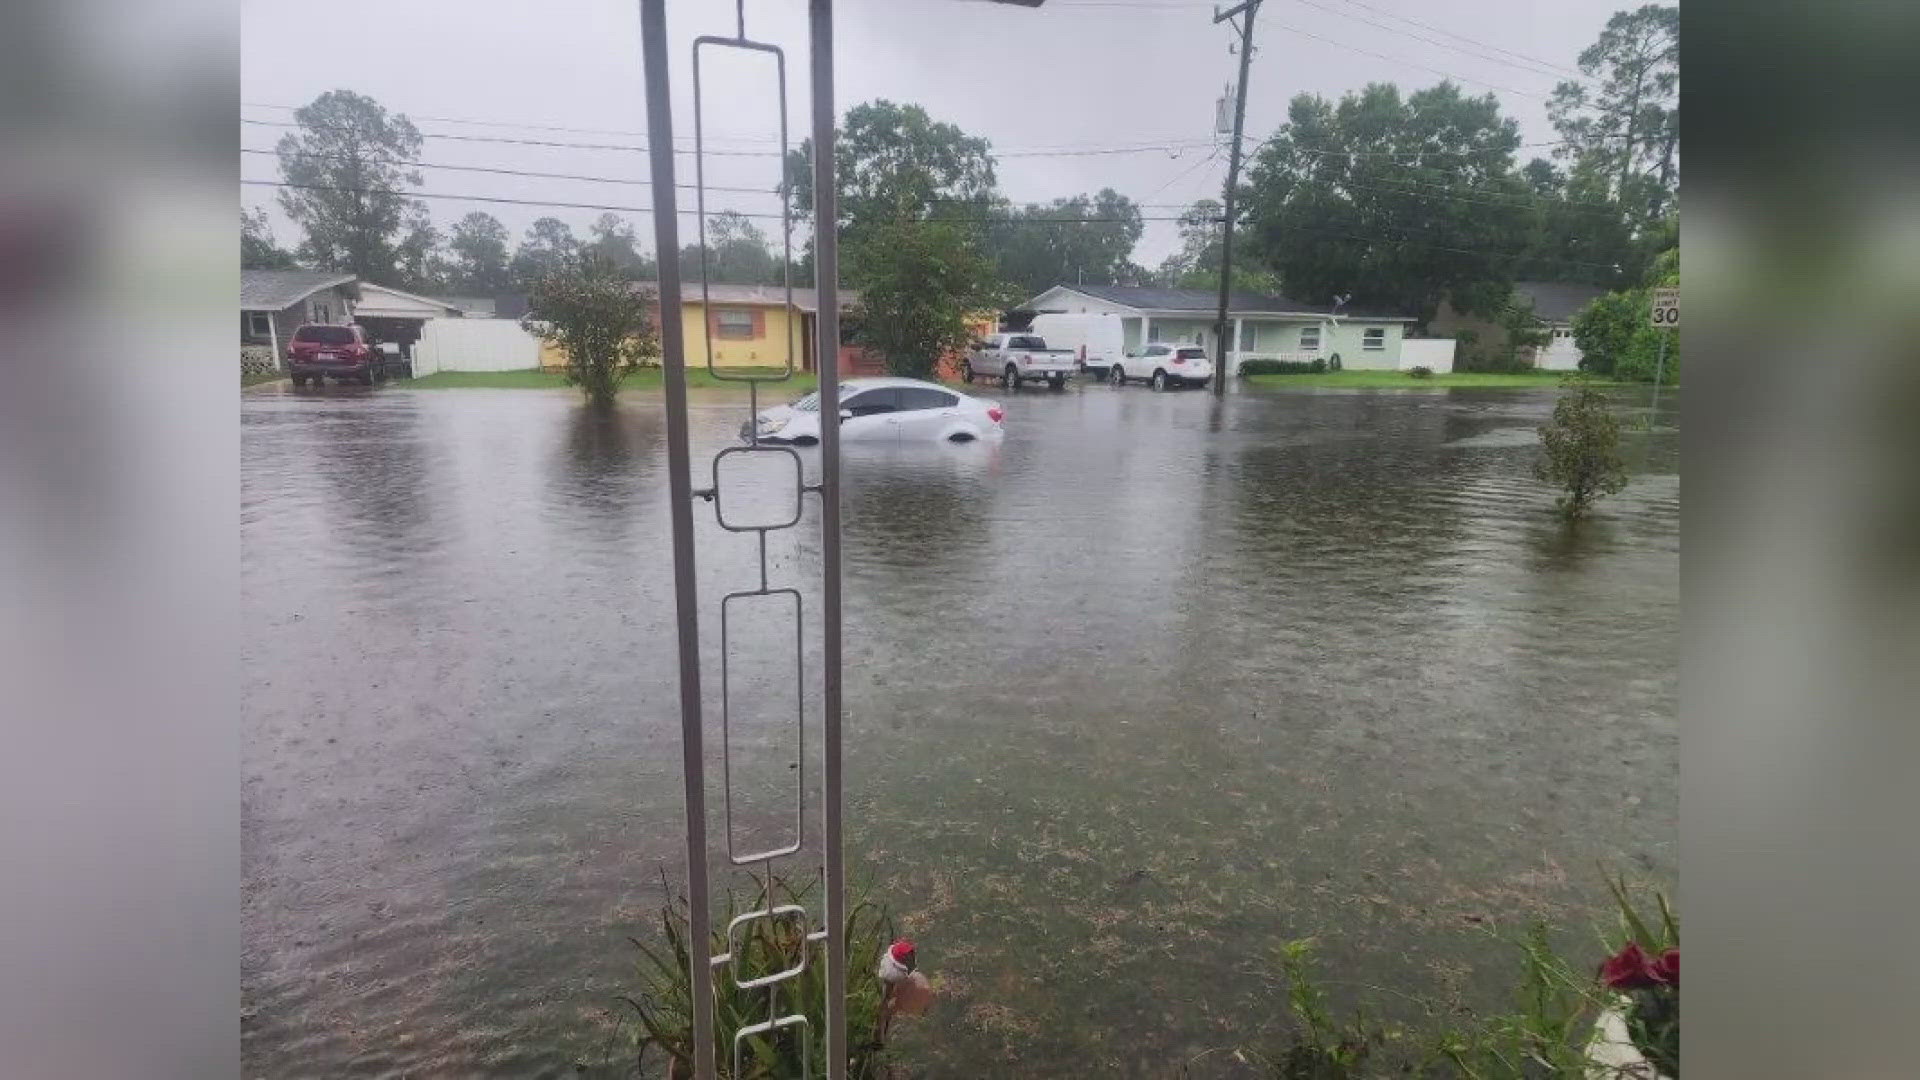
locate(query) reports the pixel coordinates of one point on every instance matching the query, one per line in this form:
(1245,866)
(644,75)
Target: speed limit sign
(1666,309)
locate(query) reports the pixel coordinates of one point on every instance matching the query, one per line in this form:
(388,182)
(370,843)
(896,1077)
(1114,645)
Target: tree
(419,263)
(919,282)
(1197,264)
(1394,202)
(257,248)
(1627,124)
(1581,447)
(347,165)
(615,240)
(549,246)
(737,254)
(1577,231)
(1076,240)
(589,310)
(479,249)
(892,162)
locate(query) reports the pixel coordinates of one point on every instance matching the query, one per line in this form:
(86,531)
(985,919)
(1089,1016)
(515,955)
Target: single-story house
(394,316)
(1264,327)
(749,326)
(1555,303)
(275,303)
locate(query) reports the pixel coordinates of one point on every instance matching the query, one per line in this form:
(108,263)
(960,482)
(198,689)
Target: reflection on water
(1145,688)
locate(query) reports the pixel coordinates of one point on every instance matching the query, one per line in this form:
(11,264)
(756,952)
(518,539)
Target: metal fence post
(653,47)
(826,281)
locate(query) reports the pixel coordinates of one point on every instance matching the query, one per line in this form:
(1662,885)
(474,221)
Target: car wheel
(299,380)
(1010,378)
(1056,382)
(1117,376)
(1159,380)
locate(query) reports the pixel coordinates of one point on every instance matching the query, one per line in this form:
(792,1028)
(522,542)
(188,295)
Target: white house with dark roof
(1265,327)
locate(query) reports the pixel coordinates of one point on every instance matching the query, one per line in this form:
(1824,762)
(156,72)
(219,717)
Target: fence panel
(474,345)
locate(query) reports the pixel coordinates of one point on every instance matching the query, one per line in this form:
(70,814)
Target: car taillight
(994,414)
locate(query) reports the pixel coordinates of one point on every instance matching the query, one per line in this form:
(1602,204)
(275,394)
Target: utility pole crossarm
(1222,16)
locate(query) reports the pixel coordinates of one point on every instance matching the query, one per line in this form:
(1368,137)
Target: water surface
(1132,696)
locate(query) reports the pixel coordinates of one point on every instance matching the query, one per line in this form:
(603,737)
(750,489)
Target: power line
(521,172)
(1440,192)
(1171,141)
(1529,66)
(967,219)
(1462,37)
(632,148)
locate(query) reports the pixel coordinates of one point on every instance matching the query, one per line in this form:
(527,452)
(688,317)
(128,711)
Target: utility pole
(1245,9)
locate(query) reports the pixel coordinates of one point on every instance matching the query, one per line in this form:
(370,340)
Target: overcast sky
(1074,75)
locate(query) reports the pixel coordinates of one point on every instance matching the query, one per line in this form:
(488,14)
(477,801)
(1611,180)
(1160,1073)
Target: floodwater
(1134,695)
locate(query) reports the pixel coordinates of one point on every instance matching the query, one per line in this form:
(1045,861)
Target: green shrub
(1420,371)
(1582,444)
(1282,367)
(1319,365)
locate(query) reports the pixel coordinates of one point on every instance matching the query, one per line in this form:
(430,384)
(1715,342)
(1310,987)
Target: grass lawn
(257,377)
(644,379)
(1357,379)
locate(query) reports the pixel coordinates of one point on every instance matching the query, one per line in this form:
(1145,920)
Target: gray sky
(1073,75)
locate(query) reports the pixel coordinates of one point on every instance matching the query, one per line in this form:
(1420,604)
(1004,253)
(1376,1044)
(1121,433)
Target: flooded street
(1134,695)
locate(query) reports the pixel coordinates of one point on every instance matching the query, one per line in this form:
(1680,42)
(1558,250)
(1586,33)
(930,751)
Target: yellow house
(749,326)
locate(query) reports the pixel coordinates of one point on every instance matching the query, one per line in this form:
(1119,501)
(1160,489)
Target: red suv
(319,351)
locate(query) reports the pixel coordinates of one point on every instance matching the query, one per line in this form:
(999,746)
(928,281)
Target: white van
(1094,337)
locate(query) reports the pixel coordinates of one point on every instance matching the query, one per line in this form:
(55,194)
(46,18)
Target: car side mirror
(846,414)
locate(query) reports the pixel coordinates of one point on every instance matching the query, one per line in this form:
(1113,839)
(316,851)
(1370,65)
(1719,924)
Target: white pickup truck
(1015,358)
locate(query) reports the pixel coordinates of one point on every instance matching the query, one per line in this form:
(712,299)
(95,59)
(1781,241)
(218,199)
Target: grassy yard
(644,379)
(255,378)
(1357,379)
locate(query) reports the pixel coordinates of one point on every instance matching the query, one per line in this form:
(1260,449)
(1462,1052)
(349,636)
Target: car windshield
(810,403)
(325,335)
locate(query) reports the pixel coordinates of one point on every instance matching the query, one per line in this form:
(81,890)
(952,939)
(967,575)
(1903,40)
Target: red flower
(1631,969)
(1667,968)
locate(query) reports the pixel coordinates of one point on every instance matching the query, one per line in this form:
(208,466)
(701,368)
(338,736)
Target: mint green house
(1264,327)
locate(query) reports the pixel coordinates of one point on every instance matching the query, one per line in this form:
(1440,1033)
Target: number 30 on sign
(1666,309)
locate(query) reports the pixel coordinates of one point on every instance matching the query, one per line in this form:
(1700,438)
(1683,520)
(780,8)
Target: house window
(1375,338)
(1309,339)
(259,324)
(734,324)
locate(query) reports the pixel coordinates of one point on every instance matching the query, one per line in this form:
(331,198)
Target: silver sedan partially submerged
(884,410)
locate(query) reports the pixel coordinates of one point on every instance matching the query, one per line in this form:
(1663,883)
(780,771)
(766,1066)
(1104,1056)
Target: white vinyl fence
(1435,354)
(474,345)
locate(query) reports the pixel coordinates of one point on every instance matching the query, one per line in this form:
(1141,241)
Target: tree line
(1392,200)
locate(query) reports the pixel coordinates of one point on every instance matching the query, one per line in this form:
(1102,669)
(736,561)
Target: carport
(392,315)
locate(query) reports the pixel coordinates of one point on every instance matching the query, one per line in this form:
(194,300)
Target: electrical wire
(969,219)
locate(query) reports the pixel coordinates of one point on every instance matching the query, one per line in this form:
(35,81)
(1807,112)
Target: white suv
(1163,365)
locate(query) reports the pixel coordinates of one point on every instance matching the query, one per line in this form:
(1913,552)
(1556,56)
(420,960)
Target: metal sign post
(1665,315)
(826,282)
(785,1014)
(673,363)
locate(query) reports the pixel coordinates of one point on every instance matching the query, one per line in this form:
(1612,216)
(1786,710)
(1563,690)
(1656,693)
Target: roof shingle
(276,290)
(1555,301)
